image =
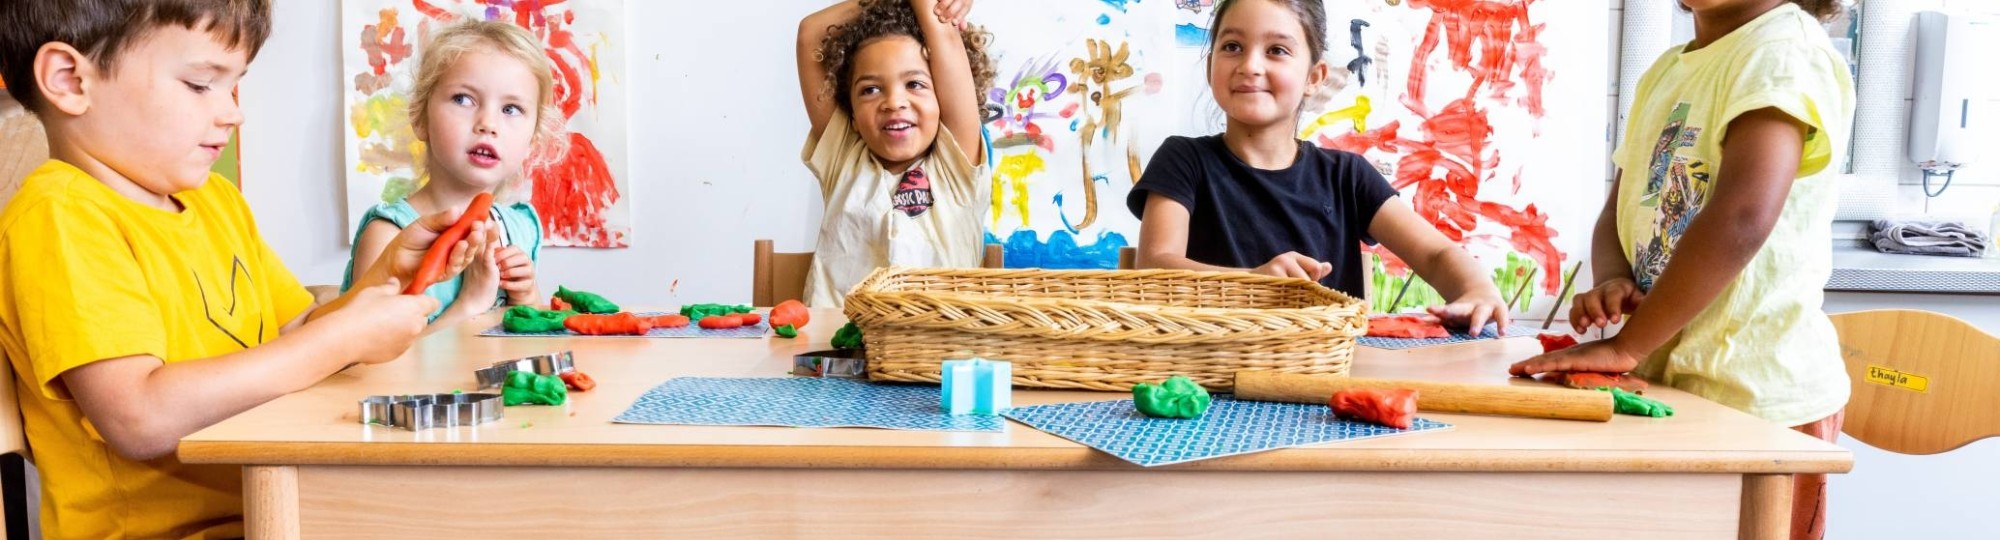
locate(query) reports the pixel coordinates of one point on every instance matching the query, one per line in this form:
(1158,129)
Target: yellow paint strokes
(1016,169)
(385,24)
(388,143)
(594,72)
(1357,113)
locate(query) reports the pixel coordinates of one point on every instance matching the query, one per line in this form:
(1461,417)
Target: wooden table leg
(1767,507)
(271,502)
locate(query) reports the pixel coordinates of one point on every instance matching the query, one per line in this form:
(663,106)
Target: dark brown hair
(1311,14)
(1823,10)
(102,29)
(884,18)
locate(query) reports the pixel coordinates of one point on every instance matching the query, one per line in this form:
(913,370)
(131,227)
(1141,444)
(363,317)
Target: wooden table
(312,470)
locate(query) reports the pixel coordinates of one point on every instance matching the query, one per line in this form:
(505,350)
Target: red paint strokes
(572,195)
(1506,43)
(431,11)
(383,43)
(1443,164)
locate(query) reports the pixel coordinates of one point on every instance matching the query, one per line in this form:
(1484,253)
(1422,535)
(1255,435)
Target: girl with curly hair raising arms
(891,87)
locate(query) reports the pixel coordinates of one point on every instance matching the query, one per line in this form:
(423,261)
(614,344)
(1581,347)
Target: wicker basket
(1102,329)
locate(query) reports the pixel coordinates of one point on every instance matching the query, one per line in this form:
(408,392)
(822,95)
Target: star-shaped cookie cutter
(555,363)
(424,411)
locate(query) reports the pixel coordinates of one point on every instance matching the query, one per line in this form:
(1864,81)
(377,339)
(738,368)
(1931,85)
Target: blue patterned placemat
(1490,332)
(799,402)
(690,331)
(1229,428)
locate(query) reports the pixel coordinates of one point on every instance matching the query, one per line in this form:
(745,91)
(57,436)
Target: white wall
(714,162)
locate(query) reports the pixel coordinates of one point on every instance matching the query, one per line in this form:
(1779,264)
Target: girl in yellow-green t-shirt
(1715,240)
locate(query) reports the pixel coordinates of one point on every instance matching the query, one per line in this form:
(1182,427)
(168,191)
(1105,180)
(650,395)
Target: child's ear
(1316,77)
(420,127)
(65,76)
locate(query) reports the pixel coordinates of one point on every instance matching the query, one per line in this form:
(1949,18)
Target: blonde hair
(447,44)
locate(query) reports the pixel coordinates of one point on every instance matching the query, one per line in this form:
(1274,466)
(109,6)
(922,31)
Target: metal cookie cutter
(547,364)
(425,411)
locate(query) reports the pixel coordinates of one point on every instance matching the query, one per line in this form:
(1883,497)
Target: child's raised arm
(1473,298)
(812,76)
(951,70)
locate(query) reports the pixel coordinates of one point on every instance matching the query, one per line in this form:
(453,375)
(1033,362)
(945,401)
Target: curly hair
(1824,10)
(885,18)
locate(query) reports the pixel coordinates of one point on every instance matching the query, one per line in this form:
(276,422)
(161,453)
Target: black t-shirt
(1240,216)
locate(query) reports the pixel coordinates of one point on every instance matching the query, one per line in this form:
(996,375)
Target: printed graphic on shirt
(222,300)
(913,193)
(1676,189)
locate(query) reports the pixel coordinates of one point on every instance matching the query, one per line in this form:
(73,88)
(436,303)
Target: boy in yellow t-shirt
(137,302)
(1717,239)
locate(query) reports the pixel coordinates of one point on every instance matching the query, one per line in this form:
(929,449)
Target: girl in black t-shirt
(1257,198)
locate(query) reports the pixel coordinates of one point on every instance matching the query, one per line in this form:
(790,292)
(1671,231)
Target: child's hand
(379,322)
(1605,305)
(953,12)
(480,288)
(1292,264)
(405,252)
(1606,356)
(1472,311)
(517,276)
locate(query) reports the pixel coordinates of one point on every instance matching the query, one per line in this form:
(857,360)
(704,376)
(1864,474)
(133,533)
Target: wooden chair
(23,147)
(1128,258)
(777,277)
(1923,383)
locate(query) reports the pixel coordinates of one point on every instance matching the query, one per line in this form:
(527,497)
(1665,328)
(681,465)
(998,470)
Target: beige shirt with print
(875,218)
(1763,346)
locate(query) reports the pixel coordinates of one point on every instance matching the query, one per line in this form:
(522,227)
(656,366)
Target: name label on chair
(1889,377)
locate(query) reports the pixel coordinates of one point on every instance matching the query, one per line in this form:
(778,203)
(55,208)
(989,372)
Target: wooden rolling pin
(1532,402)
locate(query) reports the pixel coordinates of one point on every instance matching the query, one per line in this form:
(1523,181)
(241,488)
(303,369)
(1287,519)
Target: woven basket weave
(1102,329)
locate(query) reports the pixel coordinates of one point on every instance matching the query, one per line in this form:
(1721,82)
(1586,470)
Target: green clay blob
(1178,397)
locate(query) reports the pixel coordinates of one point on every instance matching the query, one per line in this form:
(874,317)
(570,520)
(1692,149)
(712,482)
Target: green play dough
(529,320)
(786,331)
(697,312)
(848,337)
(1637,405)
(585,302)
(534,389)
(1179,397)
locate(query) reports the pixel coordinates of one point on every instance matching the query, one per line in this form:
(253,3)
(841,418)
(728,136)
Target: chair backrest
(1923,383)
(23,147)
(777,277)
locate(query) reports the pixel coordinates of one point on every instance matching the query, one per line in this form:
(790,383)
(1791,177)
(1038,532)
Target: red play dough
(1394,408)
(1406,326)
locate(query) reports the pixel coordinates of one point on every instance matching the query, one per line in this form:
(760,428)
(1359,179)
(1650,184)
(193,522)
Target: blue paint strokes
(1103,20)
(1073,124)
(1024,250)
(1064,216)
(1116,4)
(1191,35)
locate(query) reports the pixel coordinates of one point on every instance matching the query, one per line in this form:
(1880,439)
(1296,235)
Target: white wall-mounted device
(1948,117)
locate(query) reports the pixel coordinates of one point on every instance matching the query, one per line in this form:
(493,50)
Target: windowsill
(1857,266)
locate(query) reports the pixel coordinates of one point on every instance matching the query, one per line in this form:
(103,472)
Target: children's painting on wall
(1458,104)
(1449,99)
(583,196)
(1077,108)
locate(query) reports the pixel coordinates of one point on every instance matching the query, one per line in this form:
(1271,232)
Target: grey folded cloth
(1946,238)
